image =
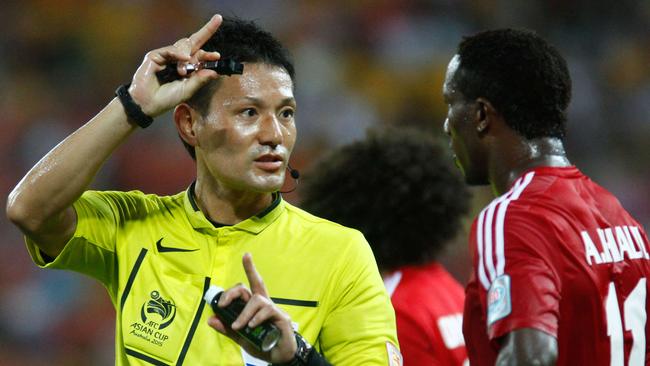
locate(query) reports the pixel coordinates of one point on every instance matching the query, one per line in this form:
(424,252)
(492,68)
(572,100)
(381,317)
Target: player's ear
(485,114)
(185,119)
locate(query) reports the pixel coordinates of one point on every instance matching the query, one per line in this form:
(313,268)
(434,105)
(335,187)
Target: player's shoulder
(556,184)
(534,190)
(551,193)
(427,284)
(528,202)
(425,281)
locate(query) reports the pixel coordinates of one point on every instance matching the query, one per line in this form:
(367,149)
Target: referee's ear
(185,118)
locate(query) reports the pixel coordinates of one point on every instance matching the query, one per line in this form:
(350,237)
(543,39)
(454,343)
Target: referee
(157,255)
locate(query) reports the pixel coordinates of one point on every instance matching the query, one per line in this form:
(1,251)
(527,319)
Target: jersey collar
(254,224)
(559,171)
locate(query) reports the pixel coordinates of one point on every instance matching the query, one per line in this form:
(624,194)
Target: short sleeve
(525,288)
(360,326)
(417,342)
(91,250)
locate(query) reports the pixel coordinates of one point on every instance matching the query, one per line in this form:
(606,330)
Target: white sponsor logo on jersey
(498,299)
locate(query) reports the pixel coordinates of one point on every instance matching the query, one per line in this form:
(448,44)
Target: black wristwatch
(301,357)
(305,355)
(133,111)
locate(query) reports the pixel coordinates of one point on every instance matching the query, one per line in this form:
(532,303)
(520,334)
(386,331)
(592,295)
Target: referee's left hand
(259,308)
(155,99)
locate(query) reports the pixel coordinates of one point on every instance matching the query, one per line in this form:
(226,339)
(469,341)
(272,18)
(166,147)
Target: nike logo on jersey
(162,249)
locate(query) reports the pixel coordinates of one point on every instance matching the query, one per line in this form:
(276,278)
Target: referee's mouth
(269,162)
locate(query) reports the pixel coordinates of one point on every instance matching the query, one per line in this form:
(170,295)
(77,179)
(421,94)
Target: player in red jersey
(560,268)
(400,190)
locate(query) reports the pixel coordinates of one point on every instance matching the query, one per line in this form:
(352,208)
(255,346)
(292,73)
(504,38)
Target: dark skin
(509,159)
(527,346)
(488,151)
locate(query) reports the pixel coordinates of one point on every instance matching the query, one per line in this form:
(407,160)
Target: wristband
(133,111)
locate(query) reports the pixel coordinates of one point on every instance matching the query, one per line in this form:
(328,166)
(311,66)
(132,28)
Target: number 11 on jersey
(634,315)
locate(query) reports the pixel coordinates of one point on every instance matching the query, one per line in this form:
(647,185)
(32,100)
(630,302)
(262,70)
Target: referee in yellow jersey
(157,255)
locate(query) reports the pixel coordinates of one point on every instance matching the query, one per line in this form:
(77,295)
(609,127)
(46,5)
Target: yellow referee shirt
(157,256)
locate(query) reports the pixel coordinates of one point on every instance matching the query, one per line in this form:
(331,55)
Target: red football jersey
(559,254)
(428,304)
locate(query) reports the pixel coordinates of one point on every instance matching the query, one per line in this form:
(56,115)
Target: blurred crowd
(360,64)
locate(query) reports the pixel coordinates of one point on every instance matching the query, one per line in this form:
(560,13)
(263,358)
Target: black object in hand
(222,67)
(264,336)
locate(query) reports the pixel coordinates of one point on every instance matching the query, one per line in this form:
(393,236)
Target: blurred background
(360,64)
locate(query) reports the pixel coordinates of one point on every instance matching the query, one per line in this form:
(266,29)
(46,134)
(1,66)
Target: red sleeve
(522,288)
(415,341)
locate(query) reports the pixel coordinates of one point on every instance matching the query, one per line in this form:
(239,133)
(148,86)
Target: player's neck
(228,206)
(519,156)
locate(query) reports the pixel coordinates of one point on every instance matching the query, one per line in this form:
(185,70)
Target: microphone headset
(295,174)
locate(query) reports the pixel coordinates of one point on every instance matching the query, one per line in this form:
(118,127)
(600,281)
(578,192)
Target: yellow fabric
(343,307)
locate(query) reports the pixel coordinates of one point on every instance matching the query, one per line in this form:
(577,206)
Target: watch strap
(302,355)
(133,111)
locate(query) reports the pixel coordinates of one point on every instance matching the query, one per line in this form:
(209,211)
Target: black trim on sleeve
(195,323)
(306,303)
(134,271)
(144,357)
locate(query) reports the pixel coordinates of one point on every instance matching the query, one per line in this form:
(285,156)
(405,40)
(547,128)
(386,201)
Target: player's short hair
(398,187)
(242,41)
(523,76)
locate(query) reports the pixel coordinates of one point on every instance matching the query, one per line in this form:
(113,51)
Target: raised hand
(259,308)
(155,99)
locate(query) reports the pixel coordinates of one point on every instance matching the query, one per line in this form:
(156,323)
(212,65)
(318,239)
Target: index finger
(254,279)
(202,35)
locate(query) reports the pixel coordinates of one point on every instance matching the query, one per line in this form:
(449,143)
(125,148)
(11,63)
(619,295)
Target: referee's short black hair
(398,187)
(242,41)
(523,76)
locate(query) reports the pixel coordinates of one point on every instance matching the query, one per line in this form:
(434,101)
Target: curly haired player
(399,188)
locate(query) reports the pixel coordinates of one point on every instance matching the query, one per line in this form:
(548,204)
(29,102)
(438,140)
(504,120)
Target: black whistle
(264,336)
(222,67)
